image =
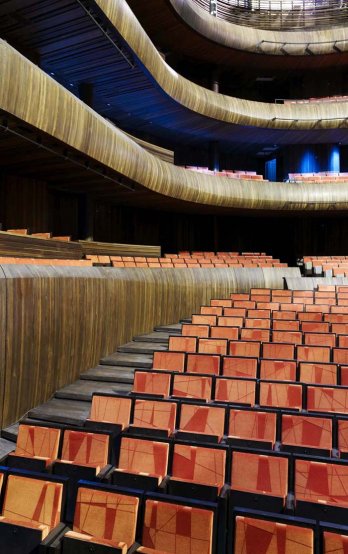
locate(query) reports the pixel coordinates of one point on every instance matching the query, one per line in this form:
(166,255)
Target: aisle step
(127,359)
(156,336)
(172,329)
(109,373)
(142,347)
(59,410)
(83,389)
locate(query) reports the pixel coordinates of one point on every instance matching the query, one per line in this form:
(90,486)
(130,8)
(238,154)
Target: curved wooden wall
(260,40)
(35,98)
(209,103)
(58,322)
(310,283)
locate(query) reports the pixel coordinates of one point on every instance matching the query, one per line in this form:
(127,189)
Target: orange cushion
(192,386)
(35,441)
(153,414)
(334,543)
(321,482)
(111,410)
(199,465)
(260,474)
(87,449)
(250,425)
(309,431)
(207,420)
(106,515)
(144,456)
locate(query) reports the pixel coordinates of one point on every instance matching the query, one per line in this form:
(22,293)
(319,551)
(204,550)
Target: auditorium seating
(320,177)
(231,173)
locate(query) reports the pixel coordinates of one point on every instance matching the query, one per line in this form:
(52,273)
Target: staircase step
(127,359)
(156,336)
(109,373)
(142,347)
(59,410)
(6,447)
(83,389)
(10,433)
(171,328)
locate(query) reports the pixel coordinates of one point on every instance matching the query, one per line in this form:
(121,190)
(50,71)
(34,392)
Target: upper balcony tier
(228,41)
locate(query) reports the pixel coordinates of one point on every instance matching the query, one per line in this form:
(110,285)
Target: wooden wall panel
(26,246)
(60,321)
(310,283)
(113,249)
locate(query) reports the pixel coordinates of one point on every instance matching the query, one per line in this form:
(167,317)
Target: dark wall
(287,237)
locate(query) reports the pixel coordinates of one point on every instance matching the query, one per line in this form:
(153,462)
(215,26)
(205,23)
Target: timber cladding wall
(58,322)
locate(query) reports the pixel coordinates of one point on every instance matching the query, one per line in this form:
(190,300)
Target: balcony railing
(279,14)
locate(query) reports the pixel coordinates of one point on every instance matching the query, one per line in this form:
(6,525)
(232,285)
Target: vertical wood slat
(60,320)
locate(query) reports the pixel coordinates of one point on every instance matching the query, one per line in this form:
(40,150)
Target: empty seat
(103,517)
(235,312)
(169,361)
(285,325)
(292,337)
(230,333)
(260,474)
(110,409)
(315,326)
(278,370)
(319,354)
(183,344)
(281,395)
(142,457)
(262,335)
(208,421)
(32,503)
(175,528)
(310,316)
(192,386)
(212,346)
(307,432)
(259,314)
(271,537)
(340,355)
(203,363)
(211,310)
(155,415)
(320,339)
(37,442)
(278,351)
(223,302)
(344,376)
(199,464)
(323,483)
(85,449)
(151,383)
(245,349)
(230,321)
(320,374)
(236,391)
(204,319)
(233,366)
(195,330)
(254,323)
(334,543)
(252,426)
(343,437)
(327,399)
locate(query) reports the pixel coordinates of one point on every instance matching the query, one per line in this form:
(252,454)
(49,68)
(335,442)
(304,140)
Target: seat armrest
(105,472)
(134,548)
(54,538)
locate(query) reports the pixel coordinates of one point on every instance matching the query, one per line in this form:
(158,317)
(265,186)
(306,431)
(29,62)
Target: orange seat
(291,337)
(34,503)
(259,313)
(236,391)
(320,374)
(155,415)
(327,399)
(38,442)
(250,426)
(319,354)
(111,409)
(106,518)
(320,339)
(192,386)
(307,431)
(85,449)
(229,333)
(211,310)
(281,395)
(254,323)
(195,330)
(203,363)
(235,312)
(262,536)
(183,344)
(334,543)
(310,316)
(315,326)
(199,464)
(169,361)
(222,302)
(212,346)
(143,457)
(340,355)
(285,325)
(230,321)
(147,382)
(262,335)
(321,483)
(260,474)
(245,349)
(176,529)
(278,370)
(202,420)
(204,319)
(278,351)
(239,367)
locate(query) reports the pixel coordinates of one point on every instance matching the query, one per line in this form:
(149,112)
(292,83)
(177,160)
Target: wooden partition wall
(57,322)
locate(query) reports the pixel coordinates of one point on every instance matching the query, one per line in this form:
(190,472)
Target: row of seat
(321,177)
(211,423)
(64,238)
(44,261)
(232,174)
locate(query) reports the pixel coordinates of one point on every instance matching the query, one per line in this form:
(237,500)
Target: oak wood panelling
(162,153)
(29,94)
(60,321)
(310,283)
(112,249)
(211,104)
(25,246)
